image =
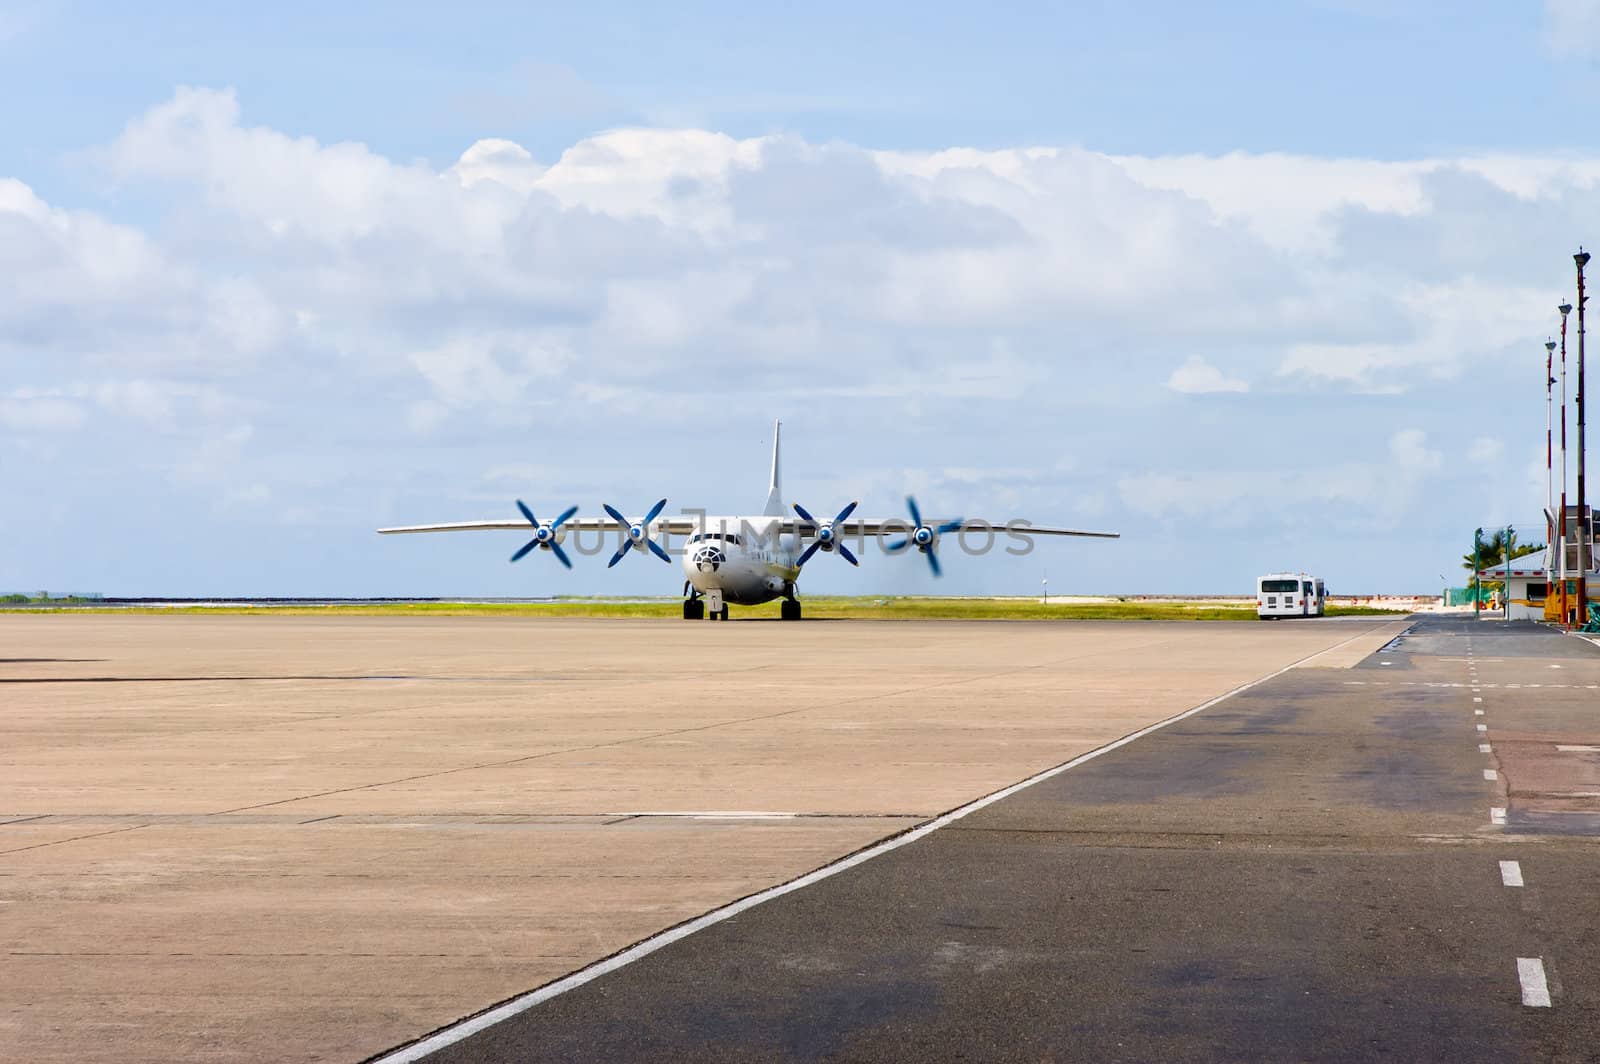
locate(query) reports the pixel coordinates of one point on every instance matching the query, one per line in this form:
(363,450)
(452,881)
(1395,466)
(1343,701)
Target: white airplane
(749,560)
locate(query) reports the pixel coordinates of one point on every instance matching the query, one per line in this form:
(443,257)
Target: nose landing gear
(697,607)
(789,609)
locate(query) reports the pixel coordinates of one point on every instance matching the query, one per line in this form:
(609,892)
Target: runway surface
(296,838)
(1392,862)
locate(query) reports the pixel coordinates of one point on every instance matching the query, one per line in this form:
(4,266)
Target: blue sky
(1261,285)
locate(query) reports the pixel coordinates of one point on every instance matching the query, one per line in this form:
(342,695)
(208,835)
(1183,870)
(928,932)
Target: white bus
(1290,595)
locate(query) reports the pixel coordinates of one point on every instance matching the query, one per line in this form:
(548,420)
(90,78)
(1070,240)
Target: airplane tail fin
(775,492)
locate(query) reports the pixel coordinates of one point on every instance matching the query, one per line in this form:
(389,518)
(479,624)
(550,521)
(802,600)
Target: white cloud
(1572,27)
(377,328)
(1487,449)
(28,411)
(1199,377)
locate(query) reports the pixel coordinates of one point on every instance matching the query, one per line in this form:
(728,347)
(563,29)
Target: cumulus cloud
(1199,377)
(286,305)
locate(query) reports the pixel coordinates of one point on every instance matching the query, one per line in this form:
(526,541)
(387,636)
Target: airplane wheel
(789,610)
(724,615)
(694,609)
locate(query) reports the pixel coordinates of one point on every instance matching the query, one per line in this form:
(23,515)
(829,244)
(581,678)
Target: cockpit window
(725,537)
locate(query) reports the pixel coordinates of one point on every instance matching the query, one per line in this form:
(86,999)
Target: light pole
(1582,259)
(1477,581)
(1565,309)
(1505,593)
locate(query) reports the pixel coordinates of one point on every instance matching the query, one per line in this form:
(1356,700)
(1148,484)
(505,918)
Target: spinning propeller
(924,537)
(637,533)
(827,537)
(545,535)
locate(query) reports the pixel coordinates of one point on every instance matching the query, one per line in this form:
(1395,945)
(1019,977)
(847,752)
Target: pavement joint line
(712,726)
(464,1028)
(1511,873)
(1535,989)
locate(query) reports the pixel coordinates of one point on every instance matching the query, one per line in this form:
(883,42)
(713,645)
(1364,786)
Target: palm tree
(1492,551)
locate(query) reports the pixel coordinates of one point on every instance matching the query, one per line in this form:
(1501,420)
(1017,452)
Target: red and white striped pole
(1549,453)
(1566,616)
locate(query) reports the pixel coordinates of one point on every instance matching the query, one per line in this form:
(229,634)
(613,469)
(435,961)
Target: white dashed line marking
(1578,749)
(1483,727)
(1477,713)
(1535,991)
(1511,873)
(1477,700)
(1483,748)
(1490,774)
(1497,814)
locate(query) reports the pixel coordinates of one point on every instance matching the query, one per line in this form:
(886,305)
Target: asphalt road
(1310,870)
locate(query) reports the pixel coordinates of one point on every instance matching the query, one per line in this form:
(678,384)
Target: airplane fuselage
(744,558)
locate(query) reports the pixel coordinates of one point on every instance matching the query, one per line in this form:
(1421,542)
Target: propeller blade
(801,510)
(618,518)
(933,562)
(655,511)
(950,526)
(806,554)
(844,552)
(563,518)
(532,520)
(846,512)
(560,554)
(655,548)
(896,547)
(617,557)
(916,514)
(532,543)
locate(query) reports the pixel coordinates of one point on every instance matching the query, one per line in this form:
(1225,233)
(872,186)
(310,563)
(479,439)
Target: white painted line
(1477,713)
(1483,727)
(715,814)
(1490,774)
(1511,873)
(1497,815)
(1483,748)
(1578,749)
(450,1035)
(1479,699)
(1535,991)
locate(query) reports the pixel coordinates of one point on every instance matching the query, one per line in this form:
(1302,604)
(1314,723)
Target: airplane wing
(674,526)
(862,528)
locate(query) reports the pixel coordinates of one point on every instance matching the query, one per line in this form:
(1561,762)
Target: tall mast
(1582,259)
(1565,309)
